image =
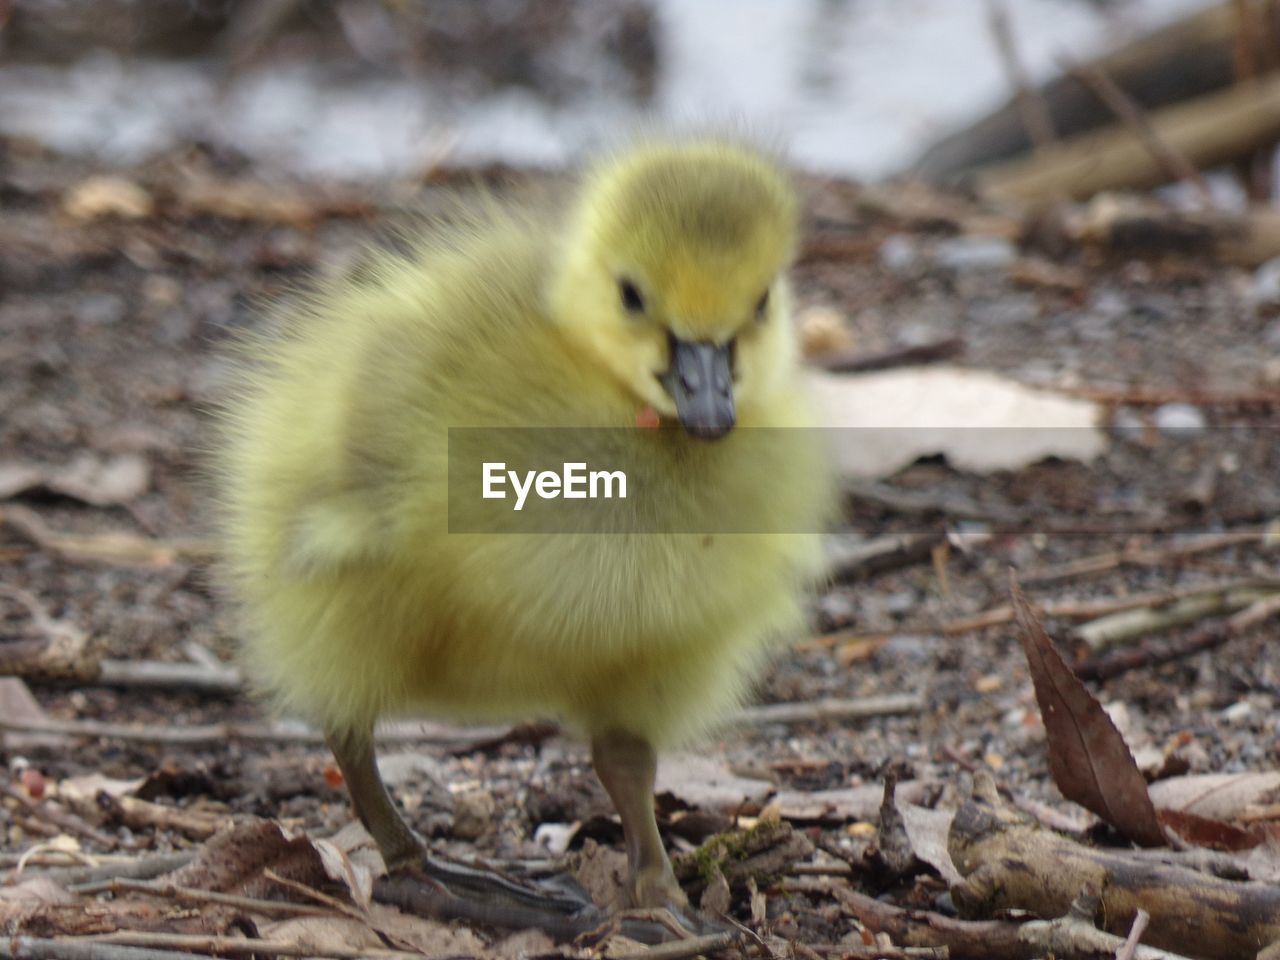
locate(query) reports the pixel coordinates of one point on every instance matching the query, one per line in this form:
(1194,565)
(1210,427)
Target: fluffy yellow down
(332,463)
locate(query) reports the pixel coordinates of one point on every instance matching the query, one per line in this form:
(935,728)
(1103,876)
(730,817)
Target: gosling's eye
(762,305)
(631,298)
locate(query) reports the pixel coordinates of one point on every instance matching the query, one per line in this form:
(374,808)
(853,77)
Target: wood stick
(985,939)
(148,674)
(683,949)
(62,819)
(892,704)
(1143,557)
(1175,164)
(1188,58)
(257,733)
(1090,609)
(193,895)
(1036,119)
(1215,635)
(1011,863)
(112,547)
(137,869)
(858,362)
(1208,131)
(1105,632)
(239,946)
(36,948)
(1130,947)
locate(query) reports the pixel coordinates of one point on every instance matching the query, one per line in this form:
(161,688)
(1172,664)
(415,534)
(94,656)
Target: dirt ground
(110,331)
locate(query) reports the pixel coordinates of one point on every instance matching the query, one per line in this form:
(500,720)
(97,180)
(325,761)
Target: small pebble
(100,309)
(975,253)
(1237,711)
(1179,419)
(1128,424)
(1265,286)
(899,253)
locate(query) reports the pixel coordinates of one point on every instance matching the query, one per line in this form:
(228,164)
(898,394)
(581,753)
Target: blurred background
(1054,219)
(375,88)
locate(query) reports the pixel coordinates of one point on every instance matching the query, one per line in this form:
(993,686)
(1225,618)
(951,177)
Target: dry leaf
(17,704)
(320,935)
(844,805)
(1215,834)
(979,421)
(1219,796)
(707,784)
(356,878)
(716,898)
(601,872)
(927,833)
(1087,755)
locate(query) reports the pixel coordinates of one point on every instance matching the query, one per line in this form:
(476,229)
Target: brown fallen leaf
(704,783)
(18,703)
(1089,760)
(1219,796)
(1200,831)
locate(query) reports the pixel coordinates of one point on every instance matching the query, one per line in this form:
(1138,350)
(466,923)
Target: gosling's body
(360,602)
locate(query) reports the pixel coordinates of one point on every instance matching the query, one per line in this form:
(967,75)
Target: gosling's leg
(626,765)
(397,842)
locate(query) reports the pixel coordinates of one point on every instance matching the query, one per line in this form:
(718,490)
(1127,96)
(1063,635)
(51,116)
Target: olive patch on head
(632,299)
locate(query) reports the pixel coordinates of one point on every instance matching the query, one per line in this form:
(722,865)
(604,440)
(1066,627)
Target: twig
(33,948)
(832,709)
(1117,628)
(138,814)
(202,677)
(1214,635)
(137,869)
(63,819)
(1266,398)
(682,949)
(1100,607)
(1061,610)
(988,939)
(886,553)
(1140,921)
(258,733)
(1175,164)
(929,504)
(333,903)
(1142,557)
(65,654)
(1032,108)
(240,946)
(194,895)
(113,547)
(62,653)
(850,362)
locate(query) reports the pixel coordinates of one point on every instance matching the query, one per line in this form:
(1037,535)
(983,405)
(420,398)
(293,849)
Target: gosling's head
(671,277)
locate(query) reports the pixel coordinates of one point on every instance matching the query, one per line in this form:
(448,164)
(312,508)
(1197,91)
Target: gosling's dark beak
(700,381)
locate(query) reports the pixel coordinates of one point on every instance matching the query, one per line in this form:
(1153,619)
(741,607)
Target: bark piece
(1011,863)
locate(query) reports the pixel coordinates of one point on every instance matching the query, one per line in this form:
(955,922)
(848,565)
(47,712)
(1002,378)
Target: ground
(111,328)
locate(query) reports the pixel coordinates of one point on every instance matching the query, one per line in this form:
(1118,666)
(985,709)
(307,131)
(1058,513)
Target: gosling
(656,305)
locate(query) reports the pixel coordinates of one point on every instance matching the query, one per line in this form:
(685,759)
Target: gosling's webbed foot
(442,890)
(654,888)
